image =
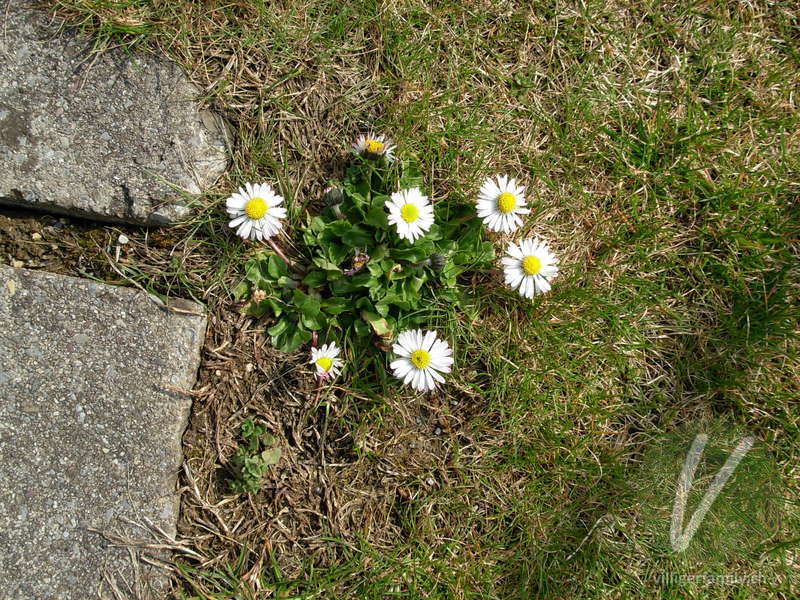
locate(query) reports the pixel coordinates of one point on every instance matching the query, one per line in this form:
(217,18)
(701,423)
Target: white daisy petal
(235,202)
(427,342)
(238,221)
(437,376)
(406,341)
(542,284)
(409,376)
(245,228)
(429,385)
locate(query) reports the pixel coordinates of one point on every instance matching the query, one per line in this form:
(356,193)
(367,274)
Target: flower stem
(285,258)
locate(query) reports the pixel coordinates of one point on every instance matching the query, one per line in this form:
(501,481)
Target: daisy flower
(374,146)
(326,360)
(529,267)
(411,212)
(422,359)
(255,212)
(500,202)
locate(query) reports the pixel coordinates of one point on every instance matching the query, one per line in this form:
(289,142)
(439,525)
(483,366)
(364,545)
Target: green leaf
(275,306)
(315,278)
(363,279)
(276,266)
(364,302)
(337,253)
(361,328)
(410,289)
(376,216)
(285,282)
(279,327)
(357,237)
(326,265)
(316,225)
(394,297)
(415,254)
(271,456)
(257,309)
(377,253)
(334,306)
(256,271)
(291,340)
(342,287)
(306,304)
(378,324)
(241,291)
(313,323)
(337,229)
(411,175)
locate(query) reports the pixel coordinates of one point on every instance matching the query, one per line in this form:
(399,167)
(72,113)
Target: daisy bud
(438,261)
(332,195)
(259,295)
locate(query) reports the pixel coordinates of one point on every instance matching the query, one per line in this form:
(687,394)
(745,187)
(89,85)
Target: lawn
(659,144)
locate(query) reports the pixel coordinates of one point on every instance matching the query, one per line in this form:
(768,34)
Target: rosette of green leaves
(257,452)
(358,276)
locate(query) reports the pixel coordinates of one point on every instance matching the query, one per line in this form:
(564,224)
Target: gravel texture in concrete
(113,136)
(91,418)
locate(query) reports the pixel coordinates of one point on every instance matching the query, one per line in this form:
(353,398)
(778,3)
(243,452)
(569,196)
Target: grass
(659,146)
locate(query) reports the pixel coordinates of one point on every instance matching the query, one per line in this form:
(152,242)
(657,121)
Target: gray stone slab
(91,418)
(112,136)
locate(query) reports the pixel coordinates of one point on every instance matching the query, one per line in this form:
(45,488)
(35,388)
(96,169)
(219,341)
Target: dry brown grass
(346,472)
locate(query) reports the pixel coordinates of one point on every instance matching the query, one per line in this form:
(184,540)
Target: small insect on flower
(255,212)
(423,358)
(500,202)
(326,358)
(374,146)
(529,267)
(411,213)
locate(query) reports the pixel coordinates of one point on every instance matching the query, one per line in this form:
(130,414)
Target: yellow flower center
(531,265)
(506,202)
(324,363)
(420,358)
(374,146)
(255,208)
(409,212)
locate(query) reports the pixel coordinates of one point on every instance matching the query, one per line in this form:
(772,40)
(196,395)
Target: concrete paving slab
(91,418)
(109,137)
